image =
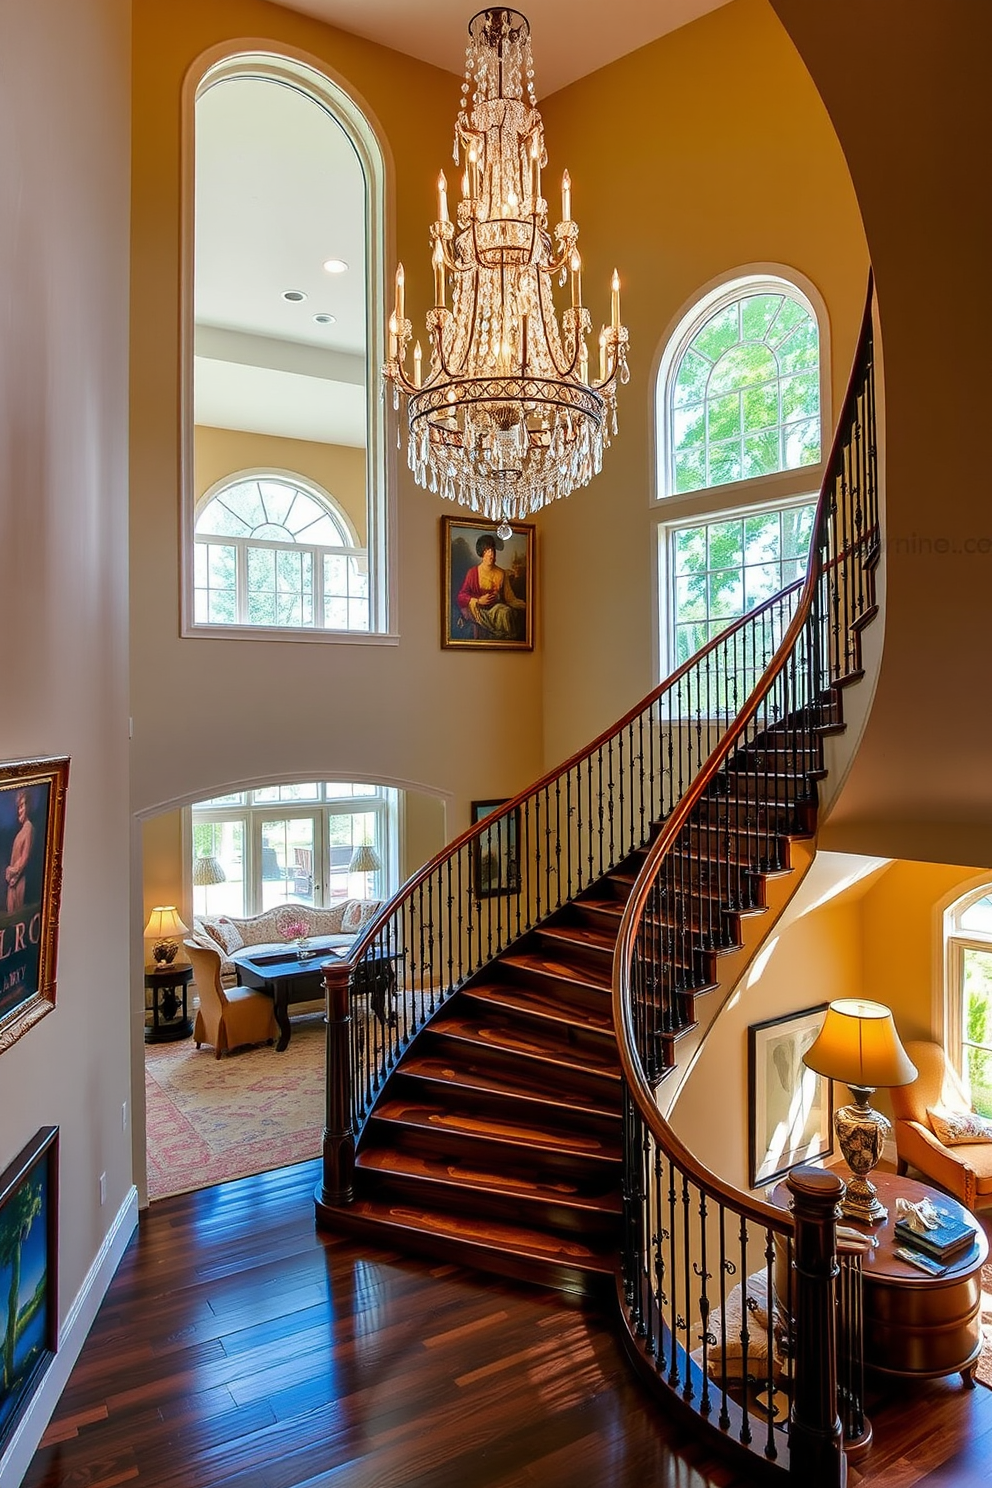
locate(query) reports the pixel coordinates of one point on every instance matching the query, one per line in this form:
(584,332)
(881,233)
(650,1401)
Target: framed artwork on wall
(790,1107)
(32,819)
(496,853)
(29,1250)
(487,600)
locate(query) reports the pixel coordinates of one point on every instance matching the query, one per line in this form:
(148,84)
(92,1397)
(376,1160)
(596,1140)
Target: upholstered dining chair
(227,1016)
(962,1169)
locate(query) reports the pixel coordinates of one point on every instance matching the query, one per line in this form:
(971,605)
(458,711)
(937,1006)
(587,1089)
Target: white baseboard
(79,1320)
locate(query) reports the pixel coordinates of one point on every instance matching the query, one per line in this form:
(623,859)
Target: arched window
(283,333)
(274,550)
(968,992)
(740,404)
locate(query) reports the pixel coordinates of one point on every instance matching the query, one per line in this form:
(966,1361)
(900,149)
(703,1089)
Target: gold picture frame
(487,601)
(32,821)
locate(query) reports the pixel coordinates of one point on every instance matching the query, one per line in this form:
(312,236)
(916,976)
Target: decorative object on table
(937,1231)
(29,1250)
(858,1044)
(365,860)
(164,928)
(505,417)
(294,927)
(789,1105)
(488,598)
(496,851)
(32,819)
(206,871)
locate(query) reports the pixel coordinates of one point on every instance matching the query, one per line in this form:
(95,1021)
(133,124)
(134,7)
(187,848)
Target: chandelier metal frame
(506,418)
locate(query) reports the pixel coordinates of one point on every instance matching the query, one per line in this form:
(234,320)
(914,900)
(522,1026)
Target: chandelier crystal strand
(503,415)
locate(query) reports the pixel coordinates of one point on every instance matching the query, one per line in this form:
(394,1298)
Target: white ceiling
(570,37)
(279,190)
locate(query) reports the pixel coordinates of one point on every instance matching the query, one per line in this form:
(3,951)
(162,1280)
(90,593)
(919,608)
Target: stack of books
(951,1238)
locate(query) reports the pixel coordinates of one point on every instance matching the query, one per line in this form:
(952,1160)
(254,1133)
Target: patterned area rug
(209,1120)
(984,1370)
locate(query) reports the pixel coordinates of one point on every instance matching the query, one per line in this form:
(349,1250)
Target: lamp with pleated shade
(164,925)
(365,860)
(207,870)
(859,1045)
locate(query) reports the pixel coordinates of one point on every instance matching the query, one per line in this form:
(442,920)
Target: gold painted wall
(704,152)
(340,469)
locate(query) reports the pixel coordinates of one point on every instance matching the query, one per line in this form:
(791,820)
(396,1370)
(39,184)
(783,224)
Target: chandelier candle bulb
(576,267)
(438,274)
(602,356)
(566,198)
(417,365)
(584,362)
(615,302)
(442,198)
(400,285)
(535,169)
(393,335)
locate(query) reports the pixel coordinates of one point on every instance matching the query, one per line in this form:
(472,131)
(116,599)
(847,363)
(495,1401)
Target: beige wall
(683,168)
(63,574)
(906,84)
(339,469)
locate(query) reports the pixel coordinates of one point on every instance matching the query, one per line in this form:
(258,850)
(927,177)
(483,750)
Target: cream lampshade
(858,1044)
(164,925)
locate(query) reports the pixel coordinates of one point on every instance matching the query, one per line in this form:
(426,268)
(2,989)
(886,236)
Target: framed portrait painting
(487,601)
(790,1107)
(32,816)
(29,1194)
(496,852)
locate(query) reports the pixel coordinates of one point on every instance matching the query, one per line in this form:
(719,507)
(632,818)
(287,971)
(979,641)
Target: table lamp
(365,860)
(858,1045)
(163,926)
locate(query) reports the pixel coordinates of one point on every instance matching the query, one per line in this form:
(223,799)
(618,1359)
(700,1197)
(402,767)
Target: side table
(169,1014)
(918,1326)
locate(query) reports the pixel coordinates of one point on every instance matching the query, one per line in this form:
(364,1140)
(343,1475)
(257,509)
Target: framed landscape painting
(488,586)
(496,855)
(29,1193)
(790,1107)
(32,817)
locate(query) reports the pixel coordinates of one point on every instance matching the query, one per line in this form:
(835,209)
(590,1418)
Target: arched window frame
(777,492)
(957,942)
(333,93)
(243,545)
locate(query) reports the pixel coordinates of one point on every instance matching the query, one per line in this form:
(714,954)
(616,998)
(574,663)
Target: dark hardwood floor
(238,1346)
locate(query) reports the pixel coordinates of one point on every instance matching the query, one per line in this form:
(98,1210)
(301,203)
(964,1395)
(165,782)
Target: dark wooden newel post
(337,1180)
(816,1437)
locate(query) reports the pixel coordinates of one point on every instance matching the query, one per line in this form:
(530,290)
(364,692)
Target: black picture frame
(790,1107)
(29,1250)
(496,850)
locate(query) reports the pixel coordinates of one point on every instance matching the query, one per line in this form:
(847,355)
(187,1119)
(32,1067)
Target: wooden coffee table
(918,1326)
(285,978)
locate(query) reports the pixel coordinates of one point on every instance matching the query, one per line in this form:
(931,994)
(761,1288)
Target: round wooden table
(915,1325)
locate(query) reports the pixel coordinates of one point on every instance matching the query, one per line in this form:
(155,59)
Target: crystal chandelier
(506,418)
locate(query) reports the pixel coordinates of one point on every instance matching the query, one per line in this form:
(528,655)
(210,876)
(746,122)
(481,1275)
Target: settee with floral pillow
(279,927)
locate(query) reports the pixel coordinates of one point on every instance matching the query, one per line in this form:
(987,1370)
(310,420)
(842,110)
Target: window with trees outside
(740,446)
(968,993)
(292,842)
(277,551)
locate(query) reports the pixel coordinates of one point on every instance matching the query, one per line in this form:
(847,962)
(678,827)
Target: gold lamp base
(861,1133)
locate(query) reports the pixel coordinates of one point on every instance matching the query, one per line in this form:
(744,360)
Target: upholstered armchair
(963,1170)
(229,1016)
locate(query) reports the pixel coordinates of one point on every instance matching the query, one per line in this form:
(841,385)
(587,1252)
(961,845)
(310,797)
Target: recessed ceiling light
(324,319)
(335,265)
(293,295)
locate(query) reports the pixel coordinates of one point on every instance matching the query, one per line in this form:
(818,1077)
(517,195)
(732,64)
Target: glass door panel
(288,861)
(225,843)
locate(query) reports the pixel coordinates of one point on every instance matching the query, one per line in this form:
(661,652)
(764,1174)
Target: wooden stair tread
(469,1077)
(436,1118)
(501,1036)
(544,1187)
(516,1240)
(535,1004)
(579,973)
(580,936)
